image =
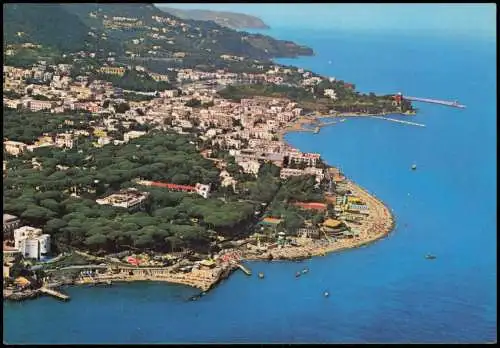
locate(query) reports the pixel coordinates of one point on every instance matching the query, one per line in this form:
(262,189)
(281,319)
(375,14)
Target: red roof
(312,205)
(173,186)
(133,260)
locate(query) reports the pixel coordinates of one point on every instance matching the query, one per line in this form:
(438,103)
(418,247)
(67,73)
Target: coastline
(376,226)
(379,228)
(297,125)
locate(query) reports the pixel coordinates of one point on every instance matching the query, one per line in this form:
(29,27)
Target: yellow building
(44,139)
(23,282)
(207,263)
(113,70)
(100,133)
(354,200)
(332,223)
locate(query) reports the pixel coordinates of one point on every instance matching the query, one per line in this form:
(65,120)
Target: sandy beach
(377,225)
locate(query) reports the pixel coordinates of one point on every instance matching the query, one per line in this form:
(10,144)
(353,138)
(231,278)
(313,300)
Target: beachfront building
(131,199)
(308,232)
(31,242)
(309,159)
(334,227)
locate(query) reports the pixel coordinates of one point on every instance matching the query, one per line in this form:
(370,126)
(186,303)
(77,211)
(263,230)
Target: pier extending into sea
(399,121)
(435,101)
(244,269)
(54,293)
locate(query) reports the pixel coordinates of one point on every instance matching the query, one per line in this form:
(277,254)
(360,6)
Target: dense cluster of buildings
(248,129)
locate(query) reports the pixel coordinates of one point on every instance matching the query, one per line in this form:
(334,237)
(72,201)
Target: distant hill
(46,24)
(226,19)
(120,27)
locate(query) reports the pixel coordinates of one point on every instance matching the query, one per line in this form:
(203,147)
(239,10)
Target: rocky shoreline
(21,295)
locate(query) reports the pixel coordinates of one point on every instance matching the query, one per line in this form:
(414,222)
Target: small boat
(413,167)
(326,294)
(261,275)
(305,270)
(430,257)
(342,120)
(297,274)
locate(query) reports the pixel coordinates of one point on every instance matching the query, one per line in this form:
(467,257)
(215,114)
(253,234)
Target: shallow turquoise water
(385,292)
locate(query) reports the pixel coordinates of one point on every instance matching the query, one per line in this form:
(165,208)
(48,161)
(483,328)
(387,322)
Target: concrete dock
(244,269)
(399,121)
(54,293)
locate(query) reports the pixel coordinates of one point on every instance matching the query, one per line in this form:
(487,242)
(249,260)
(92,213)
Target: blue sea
(382,293)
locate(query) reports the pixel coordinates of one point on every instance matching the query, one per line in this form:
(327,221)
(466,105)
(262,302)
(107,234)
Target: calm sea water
(385,292)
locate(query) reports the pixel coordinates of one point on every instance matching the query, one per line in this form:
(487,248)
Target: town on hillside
(115,172)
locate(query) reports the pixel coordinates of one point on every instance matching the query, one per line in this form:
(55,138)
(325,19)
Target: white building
(64,140)
(310,159)
(132,135)
(14,147)
(31,242)
(203,190)
(331,93)
(170,93)
(249,166)
(103,141)
(130,198)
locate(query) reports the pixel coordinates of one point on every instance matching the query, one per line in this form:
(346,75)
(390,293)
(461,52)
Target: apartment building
(131,199)
(31,242)
(14,147)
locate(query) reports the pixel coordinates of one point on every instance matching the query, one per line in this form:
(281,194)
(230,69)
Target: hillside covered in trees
(71,27)
(41,197)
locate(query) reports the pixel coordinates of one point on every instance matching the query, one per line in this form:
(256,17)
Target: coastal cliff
(226,19)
